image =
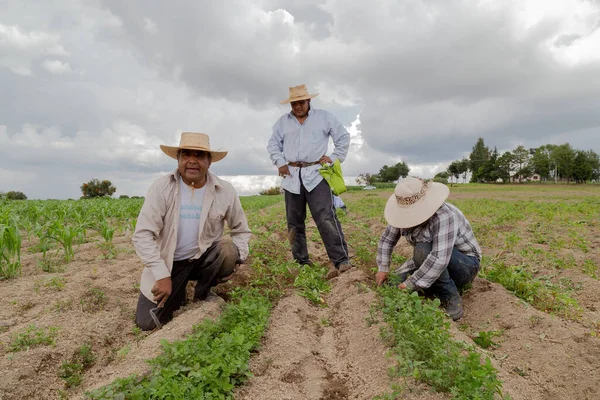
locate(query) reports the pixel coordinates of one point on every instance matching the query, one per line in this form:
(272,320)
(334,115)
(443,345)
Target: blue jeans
(460,271)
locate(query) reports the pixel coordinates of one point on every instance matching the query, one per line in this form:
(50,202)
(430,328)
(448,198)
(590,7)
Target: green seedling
(32,337)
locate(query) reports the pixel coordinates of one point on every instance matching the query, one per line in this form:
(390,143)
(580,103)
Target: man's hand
(402,286)
(284,170)
(381,277)
(162,290)
(325,159)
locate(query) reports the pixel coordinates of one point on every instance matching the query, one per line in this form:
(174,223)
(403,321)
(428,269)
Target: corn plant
(65,235)
(10,250)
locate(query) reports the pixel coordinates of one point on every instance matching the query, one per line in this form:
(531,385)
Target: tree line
(548,162)
(386,174)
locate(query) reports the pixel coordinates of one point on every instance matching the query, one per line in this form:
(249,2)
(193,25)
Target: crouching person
(179,233)
(446,254)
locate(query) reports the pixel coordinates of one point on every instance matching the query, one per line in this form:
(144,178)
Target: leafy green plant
(206,365)
(93,300)
(56,283)
(423,347)
(72,371)
(484,339)
(543,295)
(312,284)
(33,336)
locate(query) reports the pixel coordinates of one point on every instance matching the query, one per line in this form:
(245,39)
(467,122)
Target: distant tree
(454,170)
(15,196)
(274,190)
(441,177)
(488,170)
(123,196)
(564,158)
(96,188)
(463,168)
(541,162)
(582,167)
(503,166)
(365,179)
(393,173)
(594,161)
(520,162)
(480,154)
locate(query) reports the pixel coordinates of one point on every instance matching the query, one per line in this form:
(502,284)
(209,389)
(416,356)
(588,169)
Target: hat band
(410,200)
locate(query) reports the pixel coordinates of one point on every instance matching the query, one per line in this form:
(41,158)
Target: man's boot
(454,308)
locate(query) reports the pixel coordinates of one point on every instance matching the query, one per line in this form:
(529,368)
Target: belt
(302,164)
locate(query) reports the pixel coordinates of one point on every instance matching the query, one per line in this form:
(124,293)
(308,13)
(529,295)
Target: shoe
(454,308)
(343,267)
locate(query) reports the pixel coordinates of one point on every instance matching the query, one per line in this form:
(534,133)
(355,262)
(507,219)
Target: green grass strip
(418,333)
(542,295)
(206,365)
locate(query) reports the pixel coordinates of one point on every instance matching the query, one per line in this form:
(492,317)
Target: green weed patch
(418,334)
(206,365)
(33,336)
(312,284)
(541,294)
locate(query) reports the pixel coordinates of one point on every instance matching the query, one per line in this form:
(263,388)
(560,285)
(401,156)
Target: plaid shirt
(446,229)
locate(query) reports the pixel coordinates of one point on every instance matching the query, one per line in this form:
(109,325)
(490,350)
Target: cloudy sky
(89,89)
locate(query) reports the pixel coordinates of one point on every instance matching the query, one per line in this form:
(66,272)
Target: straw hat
(414,201)
(298,93)
(193,141)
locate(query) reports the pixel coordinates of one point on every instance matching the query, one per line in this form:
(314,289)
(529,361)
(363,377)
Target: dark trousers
(460,271)
(320,202)
(217,262)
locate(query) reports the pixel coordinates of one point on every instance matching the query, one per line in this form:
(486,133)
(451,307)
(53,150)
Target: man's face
(193,165)
(300,108)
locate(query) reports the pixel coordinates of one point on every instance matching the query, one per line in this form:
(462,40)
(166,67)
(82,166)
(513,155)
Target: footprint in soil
(335,390)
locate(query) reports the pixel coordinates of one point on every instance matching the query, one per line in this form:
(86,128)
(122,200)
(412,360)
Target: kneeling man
(179,232)
(446,254)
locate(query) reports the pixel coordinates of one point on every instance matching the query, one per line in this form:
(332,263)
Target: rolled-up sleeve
(446,230)
(149,224)
(238,225)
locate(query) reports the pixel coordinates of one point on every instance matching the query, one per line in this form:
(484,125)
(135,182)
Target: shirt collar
(291,114)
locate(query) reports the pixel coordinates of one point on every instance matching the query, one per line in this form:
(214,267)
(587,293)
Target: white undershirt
(190,209)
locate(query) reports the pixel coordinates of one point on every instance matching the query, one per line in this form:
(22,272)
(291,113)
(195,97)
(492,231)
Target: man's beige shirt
(155,236)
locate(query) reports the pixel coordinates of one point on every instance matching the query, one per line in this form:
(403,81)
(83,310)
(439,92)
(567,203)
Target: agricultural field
(531,330)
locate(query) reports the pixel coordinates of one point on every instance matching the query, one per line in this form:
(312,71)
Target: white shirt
(307,142)
(190,209)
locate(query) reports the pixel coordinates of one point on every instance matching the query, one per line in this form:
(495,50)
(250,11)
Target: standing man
(179,233)
(446,254)
(297,148)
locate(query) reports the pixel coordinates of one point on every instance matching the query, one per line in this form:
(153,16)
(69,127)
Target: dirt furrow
(311,352)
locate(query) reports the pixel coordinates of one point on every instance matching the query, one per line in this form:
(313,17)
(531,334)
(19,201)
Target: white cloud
(19,48)
(57,67)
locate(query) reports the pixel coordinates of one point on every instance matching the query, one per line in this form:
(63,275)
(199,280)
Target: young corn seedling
(10,250)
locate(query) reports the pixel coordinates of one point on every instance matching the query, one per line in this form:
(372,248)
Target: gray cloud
(90,89)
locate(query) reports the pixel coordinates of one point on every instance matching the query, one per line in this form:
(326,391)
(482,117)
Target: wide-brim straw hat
(298,93)
(414,201)
(194,141)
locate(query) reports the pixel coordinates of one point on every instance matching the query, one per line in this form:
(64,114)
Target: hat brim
(400,216)
(171,151)
(305,97)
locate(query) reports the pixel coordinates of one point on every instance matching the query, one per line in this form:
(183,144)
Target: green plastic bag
(333,175)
